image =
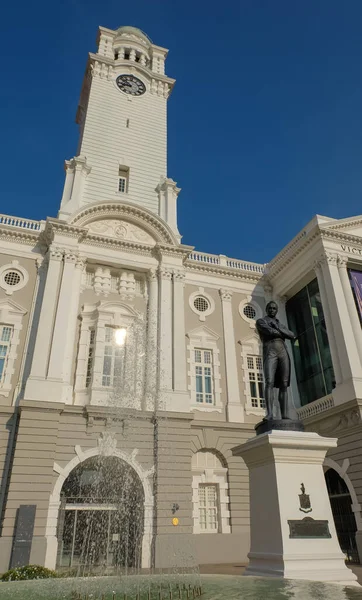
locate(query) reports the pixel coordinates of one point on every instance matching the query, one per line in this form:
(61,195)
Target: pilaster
(45,326)
(167,194)
(351,306)
(179,333)
(165,329)
(350,365)
(152,341)
(235,410)
(77,170)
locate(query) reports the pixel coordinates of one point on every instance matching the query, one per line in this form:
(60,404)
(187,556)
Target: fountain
(103,525)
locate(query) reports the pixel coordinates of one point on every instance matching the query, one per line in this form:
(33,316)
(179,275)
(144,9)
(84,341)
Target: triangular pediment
(12,308)
(203,332)
(351,225)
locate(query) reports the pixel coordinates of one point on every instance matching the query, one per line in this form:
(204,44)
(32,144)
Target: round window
(249,311)
(12,278)
(201,304)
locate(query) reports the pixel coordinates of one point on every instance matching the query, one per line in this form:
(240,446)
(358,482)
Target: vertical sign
(23,537)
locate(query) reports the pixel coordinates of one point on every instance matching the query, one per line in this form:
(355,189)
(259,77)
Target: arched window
(210,494)
(343,516)
(100,525)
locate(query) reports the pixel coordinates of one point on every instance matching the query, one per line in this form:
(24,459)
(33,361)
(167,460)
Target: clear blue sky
(265,120)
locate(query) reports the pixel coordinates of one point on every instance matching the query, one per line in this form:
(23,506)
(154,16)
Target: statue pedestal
(292,533)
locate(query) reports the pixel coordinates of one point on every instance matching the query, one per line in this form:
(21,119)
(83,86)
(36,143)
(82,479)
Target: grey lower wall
(222,548)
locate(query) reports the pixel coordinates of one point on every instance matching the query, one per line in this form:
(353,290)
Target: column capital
(165,273)
(70,257)
(152,275)
(342,261)
(225,295)
(56,253)
(81,262)
(178,275)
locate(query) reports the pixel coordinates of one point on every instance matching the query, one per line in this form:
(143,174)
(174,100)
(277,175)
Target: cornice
(104,242)
(119,64)
(249,276)
(344,225)
(340,236)
(161,250)
(27,236)
(291,252)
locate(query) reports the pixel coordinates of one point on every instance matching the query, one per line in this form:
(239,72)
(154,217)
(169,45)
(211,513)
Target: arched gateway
(101,516)
(100,513)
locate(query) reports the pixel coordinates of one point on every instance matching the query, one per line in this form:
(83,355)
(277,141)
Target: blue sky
(265,125)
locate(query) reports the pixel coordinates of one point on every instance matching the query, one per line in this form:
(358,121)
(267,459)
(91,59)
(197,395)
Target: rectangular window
(208,508)
(204,376)
(255,373)
(123,179)
(312,357)
(112,359)
(6,333)
(88,378)
(122,185)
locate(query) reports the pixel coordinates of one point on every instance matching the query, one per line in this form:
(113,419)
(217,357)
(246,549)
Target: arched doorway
(101,517)
(343,516)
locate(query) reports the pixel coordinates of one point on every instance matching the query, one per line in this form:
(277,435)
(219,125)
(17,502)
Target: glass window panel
(6,334)
(107,365)
(2,362)
(3,351)
(198,356)
(199,383)
(253,389)
(250,362)
(208,385)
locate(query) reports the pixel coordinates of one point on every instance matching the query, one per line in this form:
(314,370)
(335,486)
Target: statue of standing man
(276,360)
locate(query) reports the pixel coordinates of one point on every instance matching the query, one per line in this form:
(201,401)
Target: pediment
(10,308)
(121,230)
(352,226)
(203,333)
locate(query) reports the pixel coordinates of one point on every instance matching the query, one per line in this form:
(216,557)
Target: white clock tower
(122,116)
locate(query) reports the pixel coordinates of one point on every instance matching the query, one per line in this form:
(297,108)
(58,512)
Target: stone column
(329,323)
(152,351)
(179,333)
(347,349)
(165,329)
(235,410)
(351,305)
(45,325)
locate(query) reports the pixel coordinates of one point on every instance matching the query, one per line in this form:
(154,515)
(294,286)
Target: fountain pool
(214,587)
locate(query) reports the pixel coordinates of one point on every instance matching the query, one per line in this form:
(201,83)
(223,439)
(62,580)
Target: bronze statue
(276,360)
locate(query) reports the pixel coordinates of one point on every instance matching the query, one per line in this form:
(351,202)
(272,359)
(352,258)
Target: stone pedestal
(292,529)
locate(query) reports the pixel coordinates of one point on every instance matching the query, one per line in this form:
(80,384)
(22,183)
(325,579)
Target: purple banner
(356,281)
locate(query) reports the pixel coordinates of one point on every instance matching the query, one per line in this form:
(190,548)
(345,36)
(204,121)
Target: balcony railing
(316,407)
(224,261)
(18,222)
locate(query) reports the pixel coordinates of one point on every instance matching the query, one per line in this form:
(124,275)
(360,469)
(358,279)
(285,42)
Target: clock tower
(122,116)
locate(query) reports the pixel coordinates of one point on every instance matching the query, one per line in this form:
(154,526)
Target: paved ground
(238,569)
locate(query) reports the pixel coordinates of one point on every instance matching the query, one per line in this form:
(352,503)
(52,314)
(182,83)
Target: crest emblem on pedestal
(304,500)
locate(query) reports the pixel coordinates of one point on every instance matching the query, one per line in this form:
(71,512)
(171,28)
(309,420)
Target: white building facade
(130,364)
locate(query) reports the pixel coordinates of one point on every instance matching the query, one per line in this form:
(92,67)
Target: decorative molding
(144,218)
(258,312)
(178,275)
(119,229)
(22,273)
(342,261)
(201,314)
(225,295)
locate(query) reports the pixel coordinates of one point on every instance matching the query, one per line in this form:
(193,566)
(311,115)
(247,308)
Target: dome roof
(134,31)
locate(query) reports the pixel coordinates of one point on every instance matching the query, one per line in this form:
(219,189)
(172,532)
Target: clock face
(129,84)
